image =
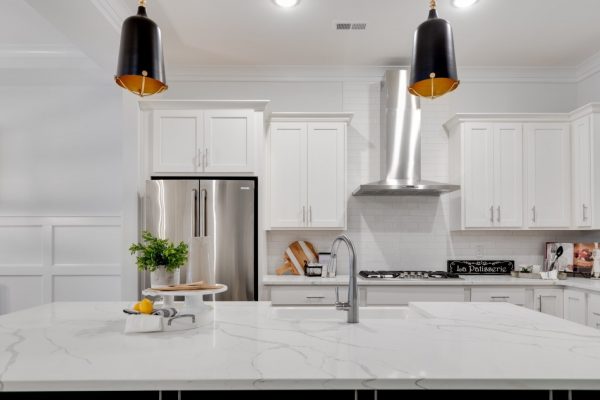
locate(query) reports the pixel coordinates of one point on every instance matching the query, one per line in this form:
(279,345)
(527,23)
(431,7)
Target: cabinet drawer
(402,295)
(593,319)
(306,295)
(500,294)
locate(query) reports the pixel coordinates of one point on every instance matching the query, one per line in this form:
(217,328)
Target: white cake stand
(193,303)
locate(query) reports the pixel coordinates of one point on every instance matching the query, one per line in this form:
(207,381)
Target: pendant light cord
(432,4)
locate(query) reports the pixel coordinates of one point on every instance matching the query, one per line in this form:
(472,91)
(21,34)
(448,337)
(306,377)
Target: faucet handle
(339,305)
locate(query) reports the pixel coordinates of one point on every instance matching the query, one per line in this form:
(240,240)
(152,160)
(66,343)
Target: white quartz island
(252,345)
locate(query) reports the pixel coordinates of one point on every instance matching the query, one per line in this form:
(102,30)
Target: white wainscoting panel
(21,245)
(19,292)
(86,288)
(86,245)
(44,259)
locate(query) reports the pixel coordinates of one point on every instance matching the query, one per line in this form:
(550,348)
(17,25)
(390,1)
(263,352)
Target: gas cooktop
(408,275)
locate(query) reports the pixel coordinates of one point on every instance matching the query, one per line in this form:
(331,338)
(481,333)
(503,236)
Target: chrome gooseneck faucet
(351,306)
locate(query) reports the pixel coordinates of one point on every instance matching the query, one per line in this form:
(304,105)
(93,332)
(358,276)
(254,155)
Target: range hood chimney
(401,144)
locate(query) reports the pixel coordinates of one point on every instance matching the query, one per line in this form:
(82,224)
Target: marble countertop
(466,280)
(81,346)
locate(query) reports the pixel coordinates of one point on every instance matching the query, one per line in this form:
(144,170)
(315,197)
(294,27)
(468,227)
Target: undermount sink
(331,314)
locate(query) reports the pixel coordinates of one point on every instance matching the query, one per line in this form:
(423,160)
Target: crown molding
(257,105)
(345,117)
(588,67)
(233,73)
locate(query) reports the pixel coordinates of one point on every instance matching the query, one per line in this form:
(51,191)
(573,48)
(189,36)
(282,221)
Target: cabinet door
(548,168)
(593,312)
(508,175)
(326,152)
(549,301)
(175,140)
(581,155)
(574,304)
(229,141)
(287,175)
(478,176)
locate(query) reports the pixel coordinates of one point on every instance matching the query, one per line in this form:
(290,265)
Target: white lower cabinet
(593,311)
(299,295)
(500,294)
(548,301)
(574,306)
(401,296)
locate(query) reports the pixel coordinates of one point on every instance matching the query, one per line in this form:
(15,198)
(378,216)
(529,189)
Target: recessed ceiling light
(463,3)
(286,3)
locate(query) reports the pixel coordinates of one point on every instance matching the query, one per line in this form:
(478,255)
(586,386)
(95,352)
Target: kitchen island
(254,346)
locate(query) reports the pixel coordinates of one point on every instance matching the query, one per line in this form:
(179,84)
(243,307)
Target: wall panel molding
(19,281)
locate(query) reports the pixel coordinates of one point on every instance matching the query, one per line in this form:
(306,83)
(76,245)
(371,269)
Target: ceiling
(492,33)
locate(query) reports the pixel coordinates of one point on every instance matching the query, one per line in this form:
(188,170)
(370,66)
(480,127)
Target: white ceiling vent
(349,26)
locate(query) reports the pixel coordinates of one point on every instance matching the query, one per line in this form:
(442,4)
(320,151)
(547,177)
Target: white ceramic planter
(162,277)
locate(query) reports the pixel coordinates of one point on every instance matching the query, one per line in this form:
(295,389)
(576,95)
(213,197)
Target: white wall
(60,194)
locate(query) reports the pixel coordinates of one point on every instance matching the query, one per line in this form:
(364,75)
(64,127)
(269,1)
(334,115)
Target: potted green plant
(161,257)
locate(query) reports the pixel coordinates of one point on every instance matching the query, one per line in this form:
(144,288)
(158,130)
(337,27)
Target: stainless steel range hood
(401,144)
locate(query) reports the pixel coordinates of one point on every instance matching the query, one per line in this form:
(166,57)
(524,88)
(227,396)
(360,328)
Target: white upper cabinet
(288,174)
(488,160)
(508,175)
(478,182)
(585,181)
(307,171)
(201,136)
(177,137)
(228,141)
(525,171)
(548,175)
(326,155)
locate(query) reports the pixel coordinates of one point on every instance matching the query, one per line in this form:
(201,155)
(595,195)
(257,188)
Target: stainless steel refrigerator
(217,219)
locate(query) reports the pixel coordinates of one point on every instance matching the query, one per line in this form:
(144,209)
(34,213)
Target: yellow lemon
(136,306)
(146,306)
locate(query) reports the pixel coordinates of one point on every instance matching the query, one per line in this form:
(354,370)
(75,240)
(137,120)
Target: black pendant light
(141,67)
(433,70)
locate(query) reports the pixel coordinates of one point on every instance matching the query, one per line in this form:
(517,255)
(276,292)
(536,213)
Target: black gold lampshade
(433,67)
(141,67)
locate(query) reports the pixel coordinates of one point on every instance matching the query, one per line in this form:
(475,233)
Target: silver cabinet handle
(310,214)
(200,158)
(533,214)
(540,301)
(194,213)
(596,314)
(206,158)
(491,213)
(584,211)
(303,214)
(500,297)
(498,216)
(315,297)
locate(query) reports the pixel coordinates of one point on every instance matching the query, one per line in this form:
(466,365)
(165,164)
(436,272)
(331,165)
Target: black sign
(481,267)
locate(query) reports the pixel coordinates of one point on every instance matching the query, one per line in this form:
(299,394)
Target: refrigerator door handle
(203,230)
(194,213)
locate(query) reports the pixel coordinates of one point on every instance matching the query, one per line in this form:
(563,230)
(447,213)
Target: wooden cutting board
(295,256)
